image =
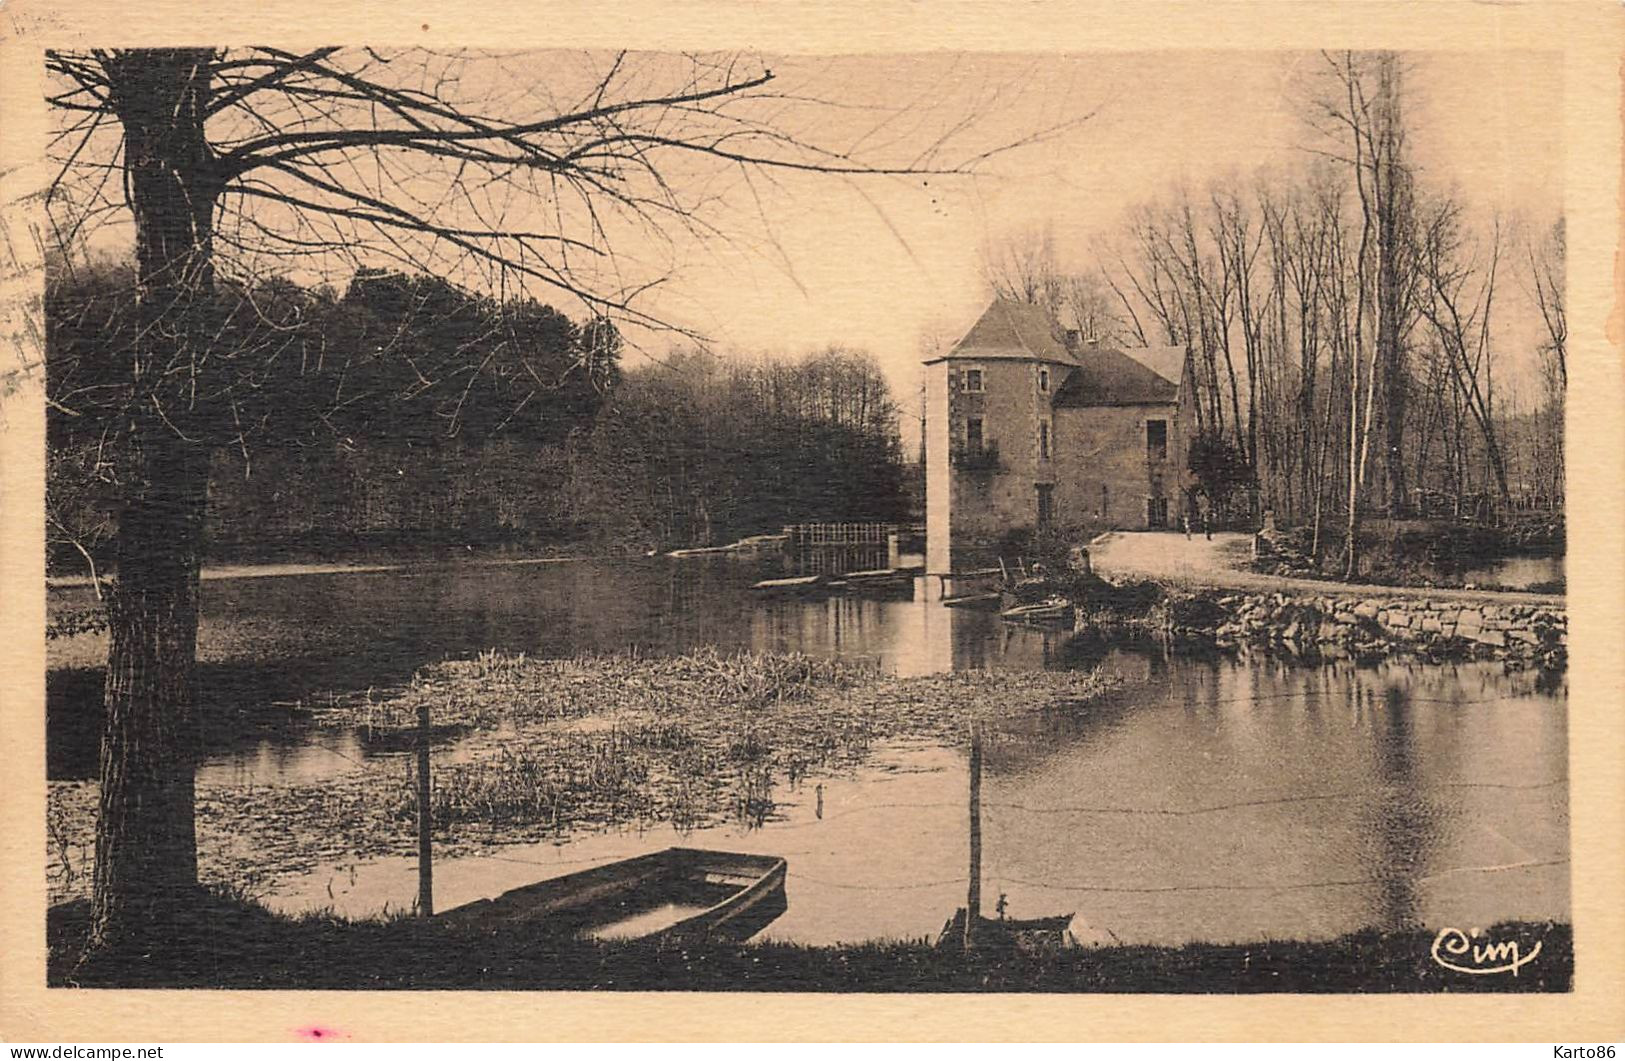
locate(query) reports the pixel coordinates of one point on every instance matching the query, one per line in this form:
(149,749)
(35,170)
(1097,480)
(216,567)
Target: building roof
(1010,329)
(1109,376)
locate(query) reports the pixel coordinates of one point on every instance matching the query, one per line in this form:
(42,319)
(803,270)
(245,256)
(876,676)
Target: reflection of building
(926,638)
(1026,425)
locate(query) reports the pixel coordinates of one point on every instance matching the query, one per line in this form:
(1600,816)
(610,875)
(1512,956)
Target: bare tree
(1238,247)
(1459,303)
(1546,257)
(1150,274)
(1337,307)
(1132,327)
(1026,268)
(1165,270)
(1209,302)
(1023,268)
(1293,342)
(1361,112)
(1086,304)
(260,159)
(1307,299)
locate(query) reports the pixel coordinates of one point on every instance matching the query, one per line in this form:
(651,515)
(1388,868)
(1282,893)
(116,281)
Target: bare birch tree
(1361,113)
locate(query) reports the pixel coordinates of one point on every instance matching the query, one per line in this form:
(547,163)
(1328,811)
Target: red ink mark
(317,1033)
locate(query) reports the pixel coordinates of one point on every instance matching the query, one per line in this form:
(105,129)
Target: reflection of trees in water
(1552,682)
(1404,830)
(1425,729)
(240,705)
(1091,648)
(1150,672)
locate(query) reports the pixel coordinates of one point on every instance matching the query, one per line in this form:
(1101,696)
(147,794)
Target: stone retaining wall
(1434,626)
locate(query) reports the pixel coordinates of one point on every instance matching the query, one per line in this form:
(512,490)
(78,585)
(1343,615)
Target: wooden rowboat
(798,583)
(703,550)
(1026,934)
(968,600)
(1053,610)
(679,894)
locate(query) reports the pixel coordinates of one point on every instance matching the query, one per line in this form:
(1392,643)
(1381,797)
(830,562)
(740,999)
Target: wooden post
(425,820)
(973,896)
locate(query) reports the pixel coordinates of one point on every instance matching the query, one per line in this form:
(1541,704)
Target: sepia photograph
(939,520)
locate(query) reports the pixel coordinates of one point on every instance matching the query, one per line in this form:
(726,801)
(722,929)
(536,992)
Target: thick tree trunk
(146,846)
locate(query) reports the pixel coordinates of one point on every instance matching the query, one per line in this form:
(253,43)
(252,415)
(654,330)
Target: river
(1211,798)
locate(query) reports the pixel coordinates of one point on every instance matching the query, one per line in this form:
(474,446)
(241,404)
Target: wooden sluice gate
(837,549)
(802,535)
(827,556)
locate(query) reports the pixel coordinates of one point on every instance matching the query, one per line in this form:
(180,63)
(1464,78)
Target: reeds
(690,739)
(583,774)
(496,686)
(529,749)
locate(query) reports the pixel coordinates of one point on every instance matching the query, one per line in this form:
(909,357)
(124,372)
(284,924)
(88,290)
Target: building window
(1043,440)
(1156,512)
(973,379)
(973,435)
(1043,380)
(1046,503)
(1156,440)
(1105,500)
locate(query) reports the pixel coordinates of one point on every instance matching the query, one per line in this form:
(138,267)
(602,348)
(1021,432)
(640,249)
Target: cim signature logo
(1462,952)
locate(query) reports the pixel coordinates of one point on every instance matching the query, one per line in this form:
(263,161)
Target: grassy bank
(536,749)
(231,944)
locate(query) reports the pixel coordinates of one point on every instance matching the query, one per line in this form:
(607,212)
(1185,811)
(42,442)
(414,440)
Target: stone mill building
(1027,425)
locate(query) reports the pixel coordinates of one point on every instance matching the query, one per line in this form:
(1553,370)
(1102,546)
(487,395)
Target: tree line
(700,449)
(411,413)
(310,407)
(1340,319)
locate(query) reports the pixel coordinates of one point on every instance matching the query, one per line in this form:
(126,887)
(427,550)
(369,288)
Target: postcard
(952,520)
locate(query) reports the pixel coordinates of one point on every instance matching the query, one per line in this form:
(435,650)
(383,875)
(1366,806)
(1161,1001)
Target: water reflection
(269,647)
(323,754)
(1515,572)
(1223,799)
(1211,798)
(1402,822)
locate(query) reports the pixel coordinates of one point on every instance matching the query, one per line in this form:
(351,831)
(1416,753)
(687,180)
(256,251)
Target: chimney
(1072,340)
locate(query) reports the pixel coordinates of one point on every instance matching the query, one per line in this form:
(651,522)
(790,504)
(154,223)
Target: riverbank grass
(228,943)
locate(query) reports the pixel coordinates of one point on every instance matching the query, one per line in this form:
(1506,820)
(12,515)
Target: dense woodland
(1343,321)
(702,449)
(422,416)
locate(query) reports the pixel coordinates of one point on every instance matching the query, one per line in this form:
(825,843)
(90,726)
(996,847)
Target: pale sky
(809,260)
(1487,123)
